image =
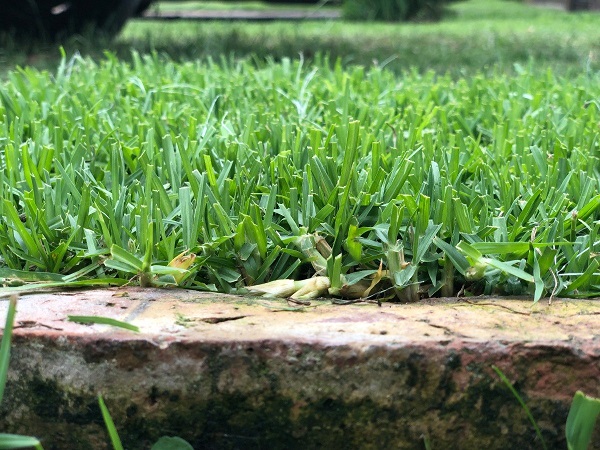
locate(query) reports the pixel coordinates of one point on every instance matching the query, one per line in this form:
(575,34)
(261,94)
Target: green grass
(11,441)
(580,422)
(477,35)
(430,184)
(362,167)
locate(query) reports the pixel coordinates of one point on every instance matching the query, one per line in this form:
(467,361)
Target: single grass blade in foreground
(104,321)
(171,443)
(581,421)
(14,441)
(110,425)
(514,392)
(5,344)
(11,441)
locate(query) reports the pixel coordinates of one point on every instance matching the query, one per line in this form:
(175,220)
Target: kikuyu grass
(485,184)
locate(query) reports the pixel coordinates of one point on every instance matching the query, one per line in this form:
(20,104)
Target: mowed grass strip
(438,185)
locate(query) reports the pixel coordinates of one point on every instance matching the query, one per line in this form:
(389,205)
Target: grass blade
(171,443)
(581,421)
(5,344)
(119,254)
(514,392)
(110,425)
(13,441)
(103,321)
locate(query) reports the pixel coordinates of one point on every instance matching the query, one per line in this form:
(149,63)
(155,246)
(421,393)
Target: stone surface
(233,372)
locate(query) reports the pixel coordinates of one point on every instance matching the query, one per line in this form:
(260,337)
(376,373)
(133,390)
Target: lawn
(476,35)
(378,179)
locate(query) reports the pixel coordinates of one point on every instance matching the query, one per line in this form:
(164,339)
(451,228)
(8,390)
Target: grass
(478,35)
(170,167)
(410,186)
(524,406)
(11,441)
(580,422)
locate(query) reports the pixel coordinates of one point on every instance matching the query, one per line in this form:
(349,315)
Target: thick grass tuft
(112,171)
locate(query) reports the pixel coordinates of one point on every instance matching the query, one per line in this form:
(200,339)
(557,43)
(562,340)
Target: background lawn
(477,35)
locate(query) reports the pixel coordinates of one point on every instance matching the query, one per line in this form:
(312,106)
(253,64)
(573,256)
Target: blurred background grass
(476,35)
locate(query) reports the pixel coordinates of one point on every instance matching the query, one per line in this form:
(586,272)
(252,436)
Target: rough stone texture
(231,372)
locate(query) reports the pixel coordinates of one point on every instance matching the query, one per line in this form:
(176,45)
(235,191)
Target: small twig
(298,302)
(379,295)
(355,301)
(128,282)
(33,324)
(497,305)
(447,330)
